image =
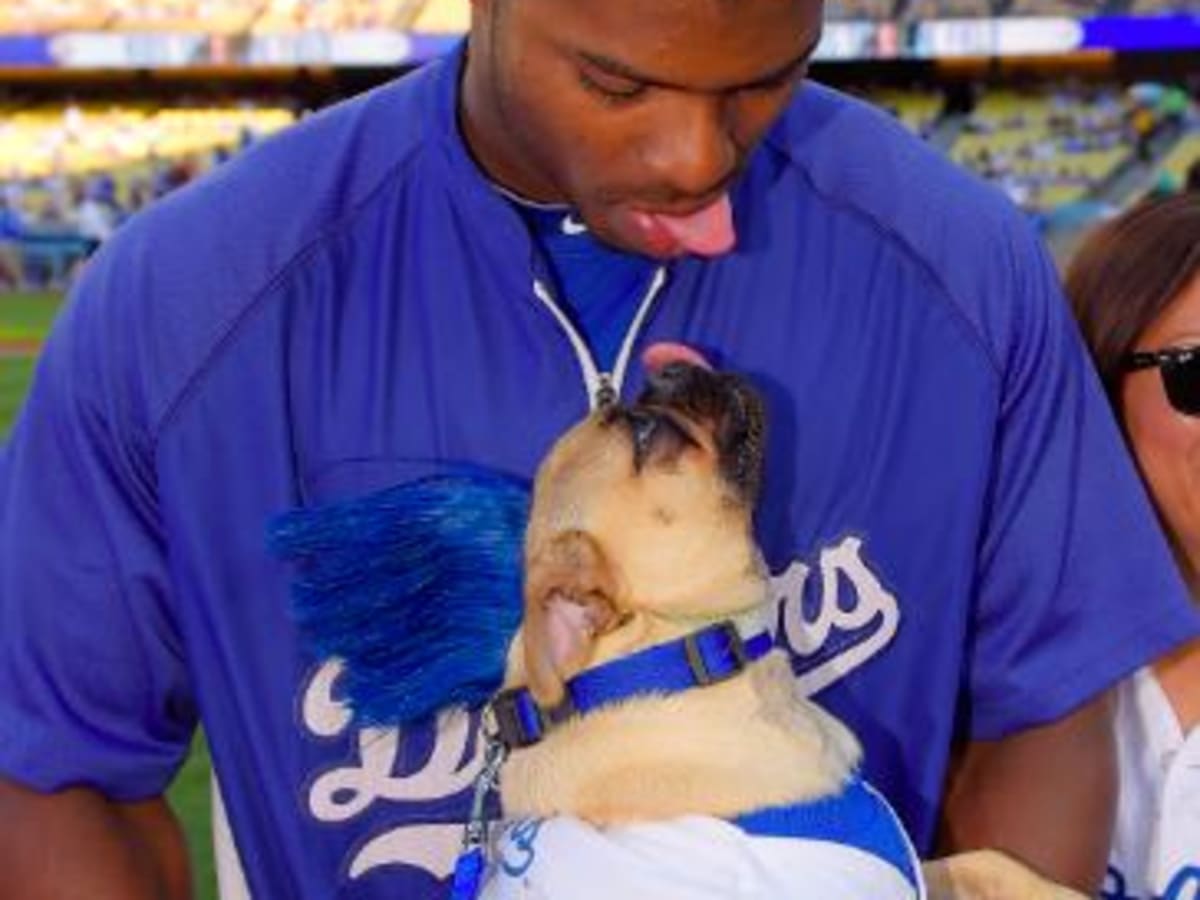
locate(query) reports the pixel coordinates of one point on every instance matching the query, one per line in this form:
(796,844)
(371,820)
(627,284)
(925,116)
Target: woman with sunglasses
(1135,288)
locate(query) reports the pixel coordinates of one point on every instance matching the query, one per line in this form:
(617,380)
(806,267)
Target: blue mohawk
(416,588)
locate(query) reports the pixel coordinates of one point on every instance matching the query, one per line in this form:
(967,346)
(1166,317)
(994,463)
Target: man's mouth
(707,231)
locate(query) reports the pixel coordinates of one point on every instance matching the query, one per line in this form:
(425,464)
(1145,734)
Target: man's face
(629,109)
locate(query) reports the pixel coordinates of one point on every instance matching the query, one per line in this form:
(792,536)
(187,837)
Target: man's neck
(481,124)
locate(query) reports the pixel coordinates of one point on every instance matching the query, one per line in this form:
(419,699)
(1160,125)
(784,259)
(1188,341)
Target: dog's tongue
(707,232)
(661,354)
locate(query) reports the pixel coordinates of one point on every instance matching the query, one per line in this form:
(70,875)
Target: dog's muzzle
(724,404)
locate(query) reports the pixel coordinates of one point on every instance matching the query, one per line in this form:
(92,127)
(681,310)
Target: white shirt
(1156,846)
(690,858)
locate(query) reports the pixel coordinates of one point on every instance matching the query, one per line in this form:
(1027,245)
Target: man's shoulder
(973,246)
(279,194)
(184,272)
(858,156)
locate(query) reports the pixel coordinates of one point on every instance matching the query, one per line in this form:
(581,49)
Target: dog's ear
(569,601)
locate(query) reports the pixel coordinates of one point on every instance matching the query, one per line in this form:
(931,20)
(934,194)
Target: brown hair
(1128,271)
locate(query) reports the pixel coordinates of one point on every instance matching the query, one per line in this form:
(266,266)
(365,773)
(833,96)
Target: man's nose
(692,151)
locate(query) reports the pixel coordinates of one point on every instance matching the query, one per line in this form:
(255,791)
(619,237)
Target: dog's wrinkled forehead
(681,398)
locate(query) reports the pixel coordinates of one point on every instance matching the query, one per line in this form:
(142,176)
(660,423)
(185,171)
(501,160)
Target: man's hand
(989,875)
(1047,796)
(77,845)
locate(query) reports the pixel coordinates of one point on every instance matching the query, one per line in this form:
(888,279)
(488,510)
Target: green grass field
(23,317)
(14,381)
(26,317)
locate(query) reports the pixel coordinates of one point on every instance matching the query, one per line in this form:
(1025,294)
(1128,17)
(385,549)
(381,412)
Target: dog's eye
(642,428)
(657,436)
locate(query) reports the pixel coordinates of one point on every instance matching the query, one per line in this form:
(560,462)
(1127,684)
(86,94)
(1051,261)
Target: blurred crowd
(250,16)
(913,10)
(50,225)
(70,176)
(1048,149)
(212,16)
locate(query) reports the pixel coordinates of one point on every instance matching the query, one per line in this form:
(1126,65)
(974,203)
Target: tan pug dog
(640,533)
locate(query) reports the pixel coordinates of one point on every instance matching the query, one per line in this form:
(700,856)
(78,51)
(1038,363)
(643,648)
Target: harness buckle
(515,719)
(730,652)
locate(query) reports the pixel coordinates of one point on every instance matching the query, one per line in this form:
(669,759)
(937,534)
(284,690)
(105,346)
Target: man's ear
(569,600)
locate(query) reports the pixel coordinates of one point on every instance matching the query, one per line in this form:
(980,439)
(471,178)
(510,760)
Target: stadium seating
(73,140)
(213,16)
(948,9)
(1071,8)
(450,16)
(71,173)
(1045,150)
(443,17)
(871,10)
(22,16)
(1151,7)
(345,15)
(916,109)
(1181,157)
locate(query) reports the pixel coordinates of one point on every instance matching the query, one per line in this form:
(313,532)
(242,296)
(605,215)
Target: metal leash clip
(468,871)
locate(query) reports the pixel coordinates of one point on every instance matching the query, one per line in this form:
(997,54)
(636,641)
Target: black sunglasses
(1180,370)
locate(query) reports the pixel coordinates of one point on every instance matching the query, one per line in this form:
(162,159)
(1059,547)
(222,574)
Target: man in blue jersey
(453,268)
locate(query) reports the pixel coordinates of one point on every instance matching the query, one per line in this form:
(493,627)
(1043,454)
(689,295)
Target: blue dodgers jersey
(955,533)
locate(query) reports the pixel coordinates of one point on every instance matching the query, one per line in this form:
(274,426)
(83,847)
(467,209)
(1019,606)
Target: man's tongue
(707,232)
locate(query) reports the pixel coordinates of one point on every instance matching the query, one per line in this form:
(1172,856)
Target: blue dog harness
(708,656)
(857,817)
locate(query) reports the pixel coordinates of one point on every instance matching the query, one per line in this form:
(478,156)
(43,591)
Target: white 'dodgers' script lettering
(873,612)
(347,791)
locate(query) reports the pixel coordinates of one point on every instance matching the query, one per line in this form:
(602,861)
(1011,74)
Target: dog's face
(641,525)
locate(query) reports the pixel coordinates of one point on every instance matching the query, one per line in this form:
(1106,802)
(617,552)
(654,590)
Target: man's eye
(612,88)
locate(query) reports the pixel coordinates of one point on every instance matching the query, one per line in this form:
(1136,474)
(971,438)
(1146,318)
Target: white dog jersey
(706,858)
(1156,846)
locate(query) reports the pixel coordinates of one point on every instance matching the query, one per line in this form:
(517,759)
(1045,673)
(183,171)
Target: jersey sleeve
(94,689)
(1076,586)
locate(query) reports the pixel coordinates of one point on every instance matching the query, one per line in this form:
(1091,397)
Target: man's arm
(77,844)
(1046,795)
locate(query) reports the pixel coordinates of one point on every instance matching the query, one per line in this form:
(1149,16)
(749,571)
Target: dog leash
(472,859)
